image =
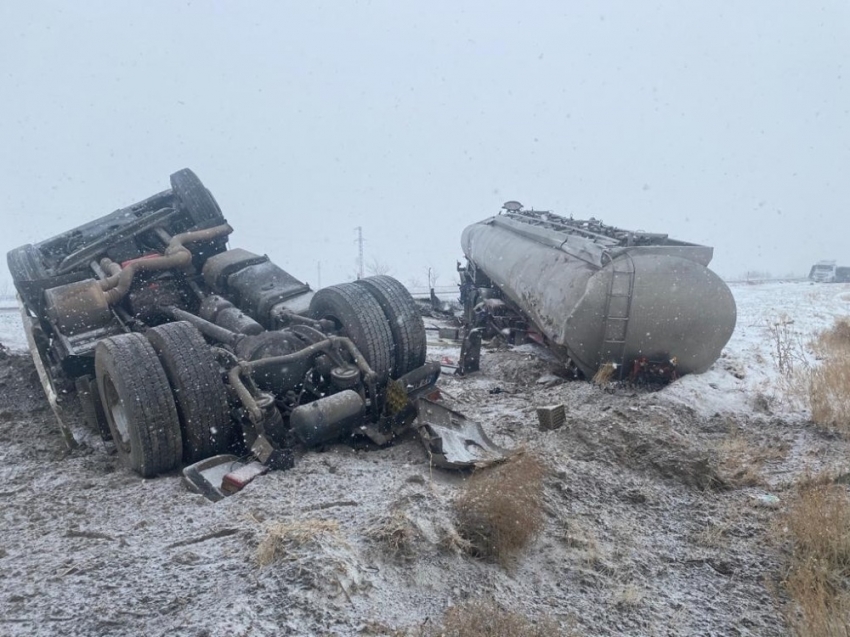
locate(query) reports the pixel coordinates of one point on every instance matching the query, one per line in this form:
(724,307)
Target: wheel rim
(115,409)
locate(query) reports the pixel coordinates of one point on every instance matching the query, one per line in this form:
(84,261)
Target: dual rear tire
(162,393)
(381,318)
(197,387)
(163,398)
(404,319)
(138,404)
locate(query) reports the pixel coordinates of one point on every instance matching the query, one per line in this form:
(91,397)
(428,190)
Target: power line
(359,252)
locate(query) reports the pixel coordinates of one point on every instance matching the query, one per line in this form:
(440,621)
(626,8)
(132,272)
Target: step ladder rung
(618,306)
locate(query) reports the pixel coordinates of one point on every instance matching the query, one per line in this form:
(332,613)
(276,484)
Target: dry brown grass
(501,508)
(742,461)
(283,536)
(829,383)
(714,535)
(829,395)
(395,532)
(787,348)
(836,338)
(740,465)
(451,540)
(485,618)
(604,374)
(816,527)
(629,597)
(580,535)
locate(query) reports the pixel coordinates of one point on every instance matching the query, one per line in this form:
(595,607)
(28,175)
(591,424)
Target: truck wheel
(196,199)
(198,389)
(359,317)
(25,264)
(137,401)
(405,322)
(28,274)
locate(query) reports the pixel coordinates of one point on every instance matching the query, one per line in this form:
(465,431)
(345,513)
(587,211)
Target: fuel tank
(601,294)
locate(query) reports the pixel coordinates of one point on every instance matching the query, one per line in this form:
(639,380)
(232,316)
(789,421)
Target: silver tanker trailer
(608,301)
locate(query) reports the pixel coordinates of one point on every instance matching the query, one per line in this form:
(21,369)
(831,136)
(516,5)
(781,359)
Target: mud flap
(453,441)
(470,353)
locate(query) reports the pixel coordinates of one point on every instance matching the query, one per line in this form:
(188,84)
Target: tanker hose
(176,255)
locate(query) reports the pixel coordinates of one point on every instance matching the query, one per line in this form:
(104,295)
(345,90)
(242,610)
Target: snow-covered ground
(748,370)
(11,332)
(656,518)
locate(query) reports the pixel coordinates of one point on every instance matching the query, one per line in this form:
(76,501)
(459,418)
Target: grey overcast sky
(724,123)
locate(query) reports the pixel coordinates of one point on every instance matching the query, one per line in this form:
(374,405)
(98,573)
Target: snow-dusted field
(649,531)
(11,332)
(807,308)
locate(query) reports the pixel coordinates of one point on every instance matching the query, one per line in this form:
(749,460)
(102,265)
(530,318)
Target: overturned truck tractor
(612,303)
(181,349)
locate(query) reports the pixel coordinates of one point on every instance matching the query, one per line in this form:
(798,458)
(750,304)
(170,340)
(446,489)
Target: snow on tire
(361,319)
(198,390)
(404,319)
(196,199)
(137,401)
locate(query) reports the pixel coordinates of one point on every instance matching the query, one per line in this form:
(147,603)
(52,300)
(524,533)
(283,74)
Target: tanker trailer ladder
(618,305)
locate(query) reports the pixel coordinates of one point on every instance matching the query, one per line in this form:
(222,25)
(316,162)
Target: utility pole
(359,252)
(319,272)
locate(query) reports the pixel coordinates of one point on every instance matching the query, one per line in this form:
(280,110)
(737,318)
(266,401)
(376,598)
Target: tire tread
(363,320)
(405,321)
(142,384)
(198,201)
(199,393)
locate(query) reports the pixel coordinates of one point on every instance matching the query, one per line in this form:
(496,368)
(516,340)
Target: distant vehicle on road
(828,272)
